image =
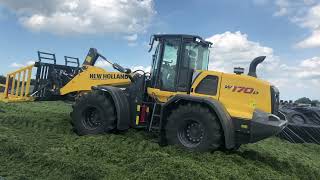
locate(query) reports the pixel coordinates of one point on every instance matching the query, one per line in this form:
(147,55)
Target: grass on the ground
(36,142)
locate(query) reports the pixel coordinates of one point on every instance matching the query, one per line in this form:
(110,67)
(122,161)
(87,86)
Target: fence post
(23,83)
(13,86)
(6,91)
(18,84)
(28,81)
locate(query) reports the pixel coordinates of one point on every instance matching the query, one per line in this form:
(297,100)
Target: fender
(121,104)
(214,105)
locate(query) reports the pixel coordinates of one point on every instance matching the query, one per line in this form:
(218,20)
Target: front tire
(93,113)
(194,128)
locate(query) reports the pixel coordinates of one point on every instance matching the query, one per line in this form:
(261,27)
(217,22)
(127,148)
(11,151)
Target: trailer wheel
(296,117)
(93,113)
(194,128)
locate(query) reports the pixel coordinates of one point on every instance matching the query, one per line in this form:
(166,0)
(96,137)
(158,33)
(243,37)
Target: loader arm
(94,76)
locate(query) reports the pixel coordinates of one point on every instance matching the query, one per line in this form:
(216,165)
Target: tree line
(2,79)
(305,100)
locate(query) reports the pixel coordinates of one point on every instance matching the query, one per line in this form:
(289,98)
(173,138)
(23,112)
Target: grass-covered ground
(36,142)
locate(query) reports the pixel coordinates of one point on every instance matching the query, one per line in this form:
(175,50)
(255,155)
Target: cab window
(155,61)
(197,55)
(168,70)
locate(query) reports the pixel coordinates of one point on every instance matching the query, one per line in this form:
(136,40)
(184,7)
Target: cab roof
(182,36)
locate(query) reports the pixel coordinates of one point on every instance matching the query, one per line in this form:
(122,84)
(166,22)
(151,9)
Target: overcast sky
(286,31)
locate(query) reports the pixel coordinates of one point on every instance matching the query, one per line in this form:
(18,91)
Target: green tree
(315,102)
(2,79)
(303,100)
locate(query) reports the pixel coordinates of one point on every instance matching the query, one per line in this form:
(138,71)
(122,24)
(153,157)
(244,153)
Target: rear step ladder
(156,117)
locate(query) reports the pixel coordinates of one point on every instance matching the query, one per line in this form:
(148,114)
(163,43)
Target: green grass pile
(36,142)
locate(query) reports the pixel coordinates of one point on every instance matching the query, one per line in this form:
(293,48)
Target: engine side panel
(240,94)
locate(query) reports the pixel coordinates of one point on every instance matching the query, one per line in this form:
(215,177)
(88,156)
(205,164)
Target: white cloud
(282,11)
(16,65)
(132,40)
(312,18)
(312,41)
(304,13)
(85,16)
(103,64)
(145,69)
(19,65)
(309,69)
(133,37)
(313,63)
(235,49)
(312,21)
(292,8)
(30,63)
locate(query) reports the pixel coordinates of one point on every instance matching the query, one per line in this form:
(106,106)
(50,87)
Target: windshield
(198,56)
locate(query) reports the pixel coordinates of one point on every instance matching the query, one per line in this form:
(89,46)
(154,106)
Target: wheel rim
(92,119)
(191,133)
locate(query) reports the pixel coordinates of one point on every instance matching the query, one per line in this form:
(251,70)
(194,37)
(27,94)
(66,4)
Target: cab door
(164,77)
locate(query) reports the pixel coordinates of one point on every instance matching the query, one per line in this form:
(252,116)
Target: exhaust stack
(254,64)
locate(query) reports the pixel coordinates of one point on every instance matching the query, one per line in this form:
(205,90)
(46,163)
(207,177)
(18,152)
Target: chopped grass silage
(36,142)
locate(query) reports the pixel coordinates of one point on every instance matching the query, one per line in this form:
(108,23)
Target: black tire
(93,113)
(194,128)
(296,117)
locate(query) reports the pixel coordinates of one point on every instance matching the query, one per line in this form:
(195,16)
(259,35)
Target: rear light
(275,100)
(143,114)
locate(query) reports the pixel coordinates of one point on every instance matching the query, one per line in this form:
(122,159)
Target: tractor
(180,100)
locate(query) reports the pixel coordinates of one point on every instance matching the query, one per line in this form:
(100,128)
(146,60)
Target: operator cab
(175,59)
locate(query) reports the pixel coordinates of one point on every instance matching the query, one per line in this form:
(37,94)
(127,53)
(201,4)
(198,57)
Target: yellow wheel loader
(180,99)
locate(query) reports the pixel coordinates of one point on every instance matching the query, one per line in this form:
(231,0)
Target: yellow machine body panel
(160,95)
(240,94)
(94,76)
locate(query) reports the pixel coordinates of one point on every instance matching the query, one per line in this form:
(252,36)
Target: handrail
(18,83)
(22,69)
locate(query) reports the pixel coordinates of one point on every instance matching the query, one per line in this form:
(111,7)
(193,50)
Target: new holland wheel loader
(180,99)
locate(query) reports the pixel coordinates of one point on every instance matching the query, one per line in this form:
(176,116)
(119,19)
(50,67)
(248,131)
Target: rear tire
(296,117)
(93,113)
(194,128)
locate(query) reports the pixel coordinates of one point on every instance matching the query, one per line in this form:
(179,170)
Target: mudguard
(214,105)
(121,104)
